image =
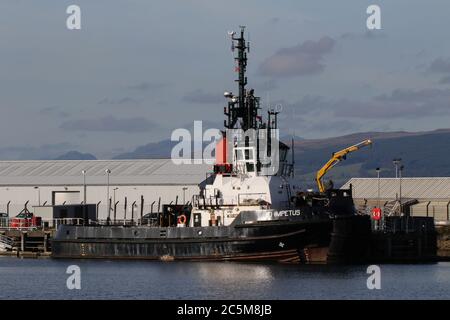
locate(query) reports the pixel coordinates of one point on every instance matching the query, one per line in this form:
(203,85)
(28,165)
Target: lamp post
(39,195)
(108,203)
(378,178)
(400,187)
(184,195)
(396,163)
(84,186)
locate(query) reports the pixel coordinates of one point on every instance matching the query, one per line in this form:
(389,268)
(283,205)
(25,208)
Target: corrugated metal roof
(123,172)
(413,188)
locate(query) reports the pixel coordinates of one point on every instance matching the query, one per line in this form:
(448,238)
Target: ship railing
(128,222)
(242,199)
(13,223)
(67,221)
(17,224)
(117,222)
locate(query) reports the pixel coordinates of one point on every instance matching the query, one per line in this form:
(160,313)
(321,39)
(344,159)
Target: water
(46,279)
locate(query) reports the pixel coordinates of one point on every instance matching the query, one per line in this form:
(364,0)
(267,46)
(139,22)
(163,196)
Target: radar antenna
(242,110)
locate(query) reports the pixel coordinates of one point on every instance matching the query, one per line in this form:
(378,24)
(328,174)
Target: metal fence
(27,224)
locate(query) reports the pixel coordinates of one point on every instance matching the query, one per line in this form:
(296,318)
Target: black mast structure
(242,111)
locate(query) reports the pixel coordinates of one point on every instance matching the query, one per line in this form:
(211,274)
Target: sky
(138,69)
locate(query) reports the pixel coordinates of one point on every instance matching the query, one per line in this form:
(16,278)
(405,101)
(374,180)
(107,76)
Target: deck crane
(335,159)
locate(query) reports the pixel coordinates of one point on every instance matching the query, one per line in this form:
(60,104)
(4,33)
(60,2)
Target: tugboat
(248,209)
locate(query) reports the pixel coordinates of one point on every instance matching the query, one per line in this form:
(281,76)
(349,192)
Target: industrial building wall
(19,195)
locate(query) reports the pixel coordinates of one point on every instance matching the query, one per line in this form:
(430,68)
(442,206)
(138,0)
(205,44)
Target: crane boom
(335,159)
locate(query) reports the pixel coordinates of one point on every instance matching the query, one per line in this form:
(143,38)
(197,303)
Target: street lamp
(108,203)
(84,186)
(378,177)
(396,163)
(39,195)
(184,195)
(400,187)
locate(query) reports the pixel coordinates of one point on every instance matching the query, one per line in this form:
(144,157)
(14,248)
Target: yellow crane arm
(335,159)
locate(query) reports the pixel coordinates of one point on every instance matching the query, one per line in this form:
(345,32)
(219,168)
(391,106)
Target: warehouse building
(46,183)
(429,197)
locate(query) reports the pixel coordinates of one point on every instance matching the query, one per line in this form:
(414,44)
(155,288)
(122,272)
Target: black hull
(343,240)
(295,242)
(412,240)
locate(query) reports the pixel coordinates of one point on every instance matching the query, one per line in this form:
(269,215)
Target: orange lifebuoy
(182,219)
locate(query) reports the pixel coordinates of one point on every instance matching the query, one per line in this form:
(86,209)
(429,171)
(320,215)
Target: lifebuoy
(376,214)
(182,219)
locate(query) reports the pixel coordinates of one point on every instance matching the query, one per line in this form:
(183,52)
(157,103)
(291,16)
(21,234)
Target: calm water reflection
(46,279)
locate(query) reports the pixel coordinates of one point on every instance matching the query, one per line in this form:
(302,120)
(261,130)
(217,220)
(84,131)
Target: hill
(75,155)
(423,153)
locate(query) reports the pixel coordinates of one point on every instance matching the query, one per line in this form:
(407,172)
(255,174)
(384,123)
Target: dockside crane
(335,159)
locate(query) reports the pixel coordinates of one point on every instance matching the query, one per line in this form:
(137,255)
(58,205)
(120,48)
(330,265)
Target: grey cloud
(266,85)
(46,151)
(300,60)
(439,66)
(367,35)
(400,103)
(54,111)
(198,96)
(148,86)
(119,101)
(445,80)
(309,104)
(274,20)
(109,123)
(334,126)
(315,126)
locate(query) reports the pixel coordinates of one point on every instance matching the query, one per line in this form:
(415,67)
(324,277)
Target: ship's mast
(242,111)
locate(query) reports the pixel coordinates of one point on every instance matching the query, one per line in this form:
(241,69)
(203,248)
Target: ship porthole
(200,232)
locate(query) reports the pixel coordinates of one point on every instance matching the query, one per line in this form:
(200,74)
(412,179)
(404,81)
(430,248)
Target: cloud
(148,86)
(439,66)
(46,151)
(274,20)
(266,85)
(400,103)
(303,59)
(367,35)
(445,80)
(54,111)
(309,104)
(119,101)
(109,123)
(198,96)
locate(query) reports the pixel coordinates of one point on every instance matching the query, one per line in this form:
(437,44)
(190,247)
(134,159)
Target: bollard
(45,242)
